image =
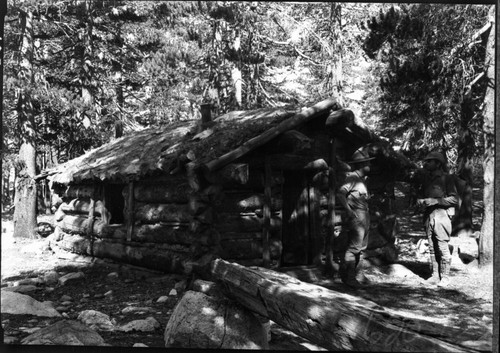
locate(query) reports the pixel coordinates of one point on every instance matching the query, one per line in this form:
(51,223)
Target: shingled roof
(153,150)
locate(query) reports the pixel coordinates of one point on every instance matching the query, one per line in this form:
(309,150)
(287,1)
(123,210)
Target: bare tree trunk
(486,237)
(334,74)
(26,188)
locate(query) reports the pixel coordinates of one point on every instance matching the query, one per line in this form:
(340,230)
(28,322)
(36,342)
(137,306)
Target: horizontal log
(235,173)
(83,206)
(177,190)
(74,191)
(80,224)
(159,212)
(234,222)
(161,233)
(291,141)
(292,162)
(243,202)
(330,319)
(244,235)
(249,248)
(172,259)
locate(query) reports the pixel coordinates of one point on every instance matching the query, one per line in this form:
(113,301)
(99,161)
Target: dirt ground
(465,307)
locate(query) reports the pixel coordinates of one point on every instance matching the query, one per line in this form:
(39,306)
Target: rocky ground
(129,306)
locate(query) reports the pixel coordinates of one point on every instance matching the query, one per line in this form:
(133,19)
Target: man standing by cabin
(438,197)
(353,195)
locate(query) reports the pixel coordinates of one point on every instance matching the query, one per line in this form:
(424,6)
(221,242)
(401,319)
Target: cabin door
(300,233)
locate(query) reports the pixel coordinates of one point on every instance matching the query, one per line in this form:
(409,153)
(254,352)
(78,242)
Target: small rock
(113,275)
(108,293)
(148,325)
(137,345)
(66,303)
(66,298)
(162,299)
(49,289)
(128,280)
(62,308)
(96,320)
(65,315)
(173,292)
(149,301)
(31,281)
(181,286)
(84,300)
(86,295)
(33,321)
(71,277)
(98,296)
(136,309)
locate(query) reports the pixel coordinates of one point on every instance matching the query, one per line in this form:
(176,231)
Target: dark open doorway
(301,231)
(115,203)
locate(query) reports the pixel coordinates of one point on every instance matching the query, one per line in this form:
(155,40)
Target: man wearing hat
(353,195)
(438,197)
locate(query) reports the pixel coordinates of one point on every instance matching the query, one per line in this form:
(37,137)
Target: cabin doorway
(301,236)
(115,203)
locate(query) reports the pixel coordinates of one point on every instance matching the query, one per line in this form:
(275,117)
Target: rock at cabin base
(201,321)
(66,333)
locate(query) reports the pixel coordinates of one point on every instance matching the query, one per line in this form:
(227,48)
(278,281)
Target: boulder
(51,277)
(66,333)
(21,304)
(96,320)
(201,321)
(23,288)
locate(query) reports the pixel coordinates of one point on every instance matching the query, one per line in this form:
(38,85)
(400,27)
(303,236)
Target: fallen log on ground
(333,320)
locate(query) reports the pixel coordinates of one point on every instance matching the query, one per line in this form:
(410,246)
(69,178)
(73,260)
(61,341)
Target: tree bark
(333,320)
(486,237)
(26,188)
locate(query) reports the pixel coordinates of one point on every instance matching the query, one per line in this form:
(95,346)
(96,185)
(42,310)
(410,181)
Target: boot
(445,272)
(434,279)
(350,276)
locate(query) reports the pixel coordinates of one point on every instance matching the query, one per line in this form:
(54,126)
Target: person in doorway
(353,196)
(438,196)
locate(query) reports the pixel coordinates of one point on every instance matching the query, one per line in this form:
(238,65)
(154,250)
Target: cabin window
(115,203)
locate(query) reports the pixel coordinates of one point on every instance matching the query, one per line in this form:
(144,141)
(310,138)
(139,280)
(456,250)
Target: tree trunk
(26,188)
(330,319)
(486,237)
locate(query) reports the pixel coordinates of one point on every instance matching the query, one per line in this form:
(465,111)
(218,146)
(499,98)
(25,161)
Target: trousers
(358,235)
(438,231)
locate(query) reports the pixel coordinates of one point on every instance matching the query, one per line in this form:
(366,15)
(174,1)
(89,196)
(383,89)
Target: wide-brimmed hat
(437,156)
(360,156)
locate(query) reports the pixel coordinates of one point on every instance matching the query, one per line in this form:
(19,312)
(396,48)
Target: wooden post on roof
(329,264)
(266,257)
(130,216)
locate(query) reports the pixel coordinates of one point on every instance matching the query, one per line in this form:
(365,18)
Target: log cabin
(253,187)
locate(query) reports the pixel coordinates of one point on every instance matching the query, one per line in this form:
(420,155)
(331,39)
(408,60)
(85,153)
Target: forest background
(77,74)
